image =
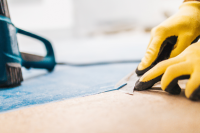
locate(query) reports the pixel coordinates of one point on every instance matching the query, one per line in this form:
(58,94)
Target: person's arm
(191,0)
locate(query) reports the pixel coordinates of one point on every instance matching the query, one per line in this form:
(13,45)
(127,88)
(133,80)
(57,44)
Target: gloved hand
(172,36)
(185,65)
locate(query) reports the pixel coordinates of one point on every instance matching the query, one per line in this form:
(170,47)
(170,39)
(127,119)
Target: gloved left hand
(185,65)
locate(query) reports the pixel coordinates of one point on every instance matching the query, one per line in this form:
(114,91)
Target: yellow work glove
(184,66)
(172,36)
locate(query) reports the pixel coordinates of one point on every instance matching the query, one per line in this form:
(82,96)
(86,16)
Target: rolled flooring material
(40,87)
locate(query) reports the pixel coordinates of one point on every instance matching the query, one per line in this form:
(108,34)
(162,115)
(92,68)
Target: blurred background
(90,30)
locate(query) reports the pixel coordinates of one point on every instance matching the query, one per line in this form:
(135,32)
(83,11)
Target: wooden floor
(113,112)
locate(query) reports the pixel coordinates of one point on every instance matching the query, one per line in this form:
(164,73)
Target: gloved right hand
(184,66)
(172,36)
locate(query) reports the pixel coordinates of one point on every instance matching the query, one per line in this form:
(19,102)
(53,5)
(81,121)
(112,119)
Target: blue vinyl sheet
(65,82)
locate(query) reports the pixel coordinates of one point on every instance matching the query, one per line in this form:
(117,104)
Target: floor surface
(112,112)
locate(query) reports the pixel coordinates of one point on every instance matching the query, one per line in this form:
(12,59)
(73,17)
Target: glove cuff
(191,0)
(194,4)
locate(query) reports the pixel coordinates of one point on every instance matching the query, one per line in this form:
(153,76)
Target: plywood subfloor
(112,112)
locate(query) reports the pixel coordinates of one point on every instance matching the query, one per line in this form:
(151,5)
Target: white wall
(98,15)
(41,14)
(90,16)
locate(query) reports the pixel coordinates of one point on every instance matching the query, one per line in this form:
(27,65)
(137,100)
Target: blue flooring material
(65,82)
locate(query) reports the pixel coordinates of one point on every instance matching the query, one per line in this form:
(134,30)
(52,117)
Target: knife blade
(127,83)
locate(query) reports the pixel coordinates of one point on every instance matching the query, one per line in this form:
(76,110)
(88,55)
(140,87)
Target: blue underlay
(65,82)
